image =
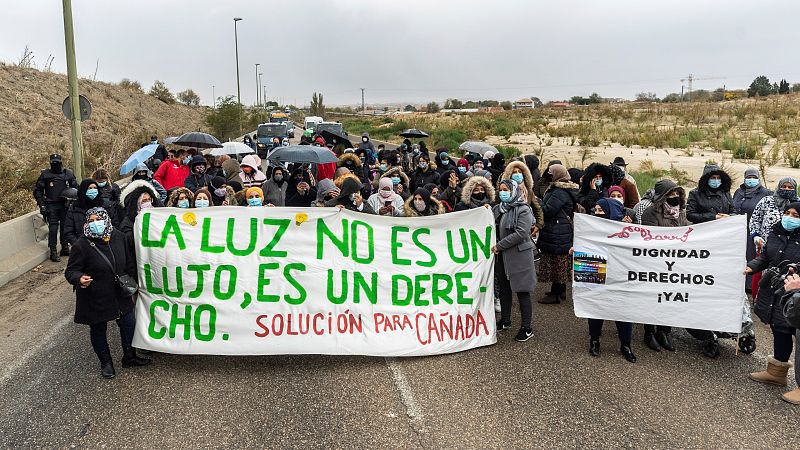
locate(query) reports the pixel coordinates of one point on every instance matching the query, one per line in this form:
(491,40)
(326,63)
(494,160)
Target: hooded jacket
(353,163)
(558,206)
(274,192)
(656,214)
(404,180)
(589,193)
(435,206)
(532,161)
(76,215)
(350,185)
(466,202)
(704,203)
(160,191)
(256,178)
(419,177)
(172,202)
(533,202)
(171,174)
(194,181)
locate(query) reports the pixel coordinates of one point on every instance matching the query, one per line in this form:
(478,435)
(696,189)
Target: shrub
(160,91)
(189,97)
(131,85)
(509,151)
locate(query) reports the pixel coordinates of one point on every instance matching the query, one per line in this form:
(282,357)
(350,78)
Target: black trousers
(506,296)
(624,329)
(98,333)
(657,329)
(56,213)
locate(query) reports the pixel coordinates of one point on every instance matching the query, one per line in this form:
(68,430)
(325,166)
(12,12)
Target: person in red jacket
(172,172)
(324,171)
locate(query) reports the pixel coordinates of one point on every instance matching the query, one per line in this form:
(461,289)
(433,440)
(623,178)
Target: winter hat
(616,189)
(463,163)
(324,187)
(558,172)
(256,190)
(751,172)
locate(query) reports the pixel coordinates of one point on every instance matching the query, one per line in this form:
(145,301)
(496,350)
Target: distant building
(490,109)
(558,104)
(524,103)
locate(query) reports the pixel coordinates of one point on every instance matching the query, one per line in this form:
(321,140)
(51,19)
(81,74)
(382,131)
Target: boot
(650,341)
(775,373)
(665,341)
(594,347)
(627,353)
(550,299)
(106,366)
(711,348)
(64,250)
(792,397)
(129,359)
(54,255)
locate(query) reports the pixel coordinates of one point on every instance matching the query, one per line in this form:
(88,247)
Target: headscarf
(426,197)
(780,202)
(324,187)
(85,202)
(749,172)
(102,215)
(510,209)
(558,173)
(387,195)
(613,209)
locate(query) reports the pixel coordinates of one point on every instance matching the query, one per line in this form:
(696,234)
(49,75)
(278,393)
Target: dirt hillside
(32,126)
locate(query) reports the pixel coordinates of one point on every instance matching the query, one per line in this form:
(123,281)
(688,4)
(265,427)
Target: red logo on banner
(647,235)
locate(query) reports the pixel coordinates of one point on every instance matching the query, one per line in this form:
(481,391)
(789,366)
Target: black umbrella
(198,140)
(331,136)
(414,133)
(303,154)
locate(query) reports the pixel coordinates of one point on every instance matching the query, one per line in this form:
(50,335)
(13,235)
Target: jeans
(56,213)
(782,343)
(624,329)
(97,333)
(506,296)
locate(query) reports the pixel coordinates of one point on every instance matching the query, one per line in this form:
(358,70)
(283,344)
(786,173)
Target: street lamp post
(257,85)
(214,95)
(258,80)
(238,87)
(72,77)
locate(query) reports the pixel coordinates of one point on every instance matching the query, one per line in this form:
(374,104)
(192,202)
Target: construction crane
(690,78)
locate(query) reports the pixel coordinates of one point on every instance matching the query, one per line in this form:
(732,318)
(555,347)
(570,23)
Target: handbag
(127,284)
(791,308)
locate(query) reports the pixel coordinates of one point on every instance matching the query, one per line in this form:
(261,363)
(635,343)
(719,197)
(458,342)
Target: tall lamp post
(258,95)
(238,87)
(259,88)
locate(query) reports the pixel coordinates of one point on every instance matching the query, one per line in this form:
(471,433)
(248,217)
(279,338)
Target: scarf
(510,208)
(673,211)
(780,202)
(102,215)
(613,209)
(385,195)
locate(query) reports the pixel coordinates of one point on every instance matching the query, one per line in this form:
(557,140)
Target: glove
(759,242)
(43,212)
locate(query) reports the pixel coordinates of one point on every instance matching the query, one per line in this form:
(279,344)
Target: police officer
(52,205)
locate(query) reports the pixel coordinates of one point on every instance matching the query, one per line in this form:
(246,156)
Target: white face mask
(619,199)
(419,205)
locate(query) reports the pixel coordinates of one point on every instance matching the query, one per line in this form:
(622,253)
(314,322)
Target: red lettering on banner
(647,235)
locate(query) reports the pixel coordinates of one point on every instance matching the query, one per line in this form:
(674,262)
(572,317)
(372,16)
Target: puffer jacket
(704,204)
(781,246)
(466,201)
(589,193)
(558,206)
(656,215)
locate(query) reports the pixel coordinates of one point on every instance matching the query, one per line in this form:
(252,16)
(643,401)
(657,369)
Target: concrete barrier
(23,245)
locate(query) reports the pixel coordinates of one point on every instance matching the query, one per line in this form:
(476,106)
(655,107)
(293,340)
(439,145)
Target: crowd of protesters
(533,208)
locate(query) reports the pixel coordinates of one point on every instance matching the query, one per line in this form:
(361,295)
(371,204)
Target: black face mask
(55,167)
(674,201)
(479,196)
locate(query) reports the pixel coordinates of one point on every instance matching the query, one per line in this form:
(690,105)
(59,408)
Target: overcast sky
(416,50)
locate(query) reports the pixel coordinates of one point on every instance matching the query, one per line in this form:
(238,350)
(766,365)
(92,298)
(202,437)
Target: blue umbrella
(139,156)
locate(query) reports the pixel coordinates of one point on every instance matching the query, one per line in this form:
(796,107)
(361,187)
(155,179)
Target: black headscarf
(85,202)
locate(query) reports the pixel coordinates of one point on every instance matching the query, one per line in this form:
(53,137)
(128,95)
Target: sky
(415,51)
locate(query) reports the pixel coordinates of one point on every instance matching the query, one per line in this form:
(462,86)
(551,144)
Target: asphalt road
(546,393)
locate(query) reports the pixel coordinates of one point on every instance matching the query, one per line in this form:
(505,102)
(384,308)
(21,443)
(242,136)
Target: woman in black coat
(89,197)
(98,298)
(783,244)
(555,239)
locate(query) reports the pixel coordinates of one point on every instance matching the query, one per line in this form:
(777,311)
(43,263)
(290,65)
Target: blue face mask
(102,184)
(255,201)
(183,203)
(202,203)
(462,169)
(97,227)
(395,180)
(790,223)
(598,182)
(751,182)
(91,193)
(517,177)
(384,167)
(187,160)
(505,196)
(714,184)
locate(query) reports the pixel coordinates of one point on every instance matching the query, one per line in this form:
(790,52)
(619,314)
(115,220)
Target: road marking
(406,395)
(40,344)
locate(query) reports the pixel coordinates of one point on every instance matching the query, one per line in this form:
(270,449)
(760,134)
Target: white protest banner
(688,277)
(259,281)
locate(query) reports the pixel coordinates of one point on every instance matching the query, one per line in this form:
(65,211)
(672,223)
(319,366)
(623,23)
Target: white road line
(57,329)
(413,411)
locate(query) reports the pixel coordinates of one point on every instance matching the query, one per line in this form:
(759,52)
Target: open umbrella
(303,154)
(139,156)
(232,148)
(170,140)
(198,140)
(414,133)
(477,147)
(332,137)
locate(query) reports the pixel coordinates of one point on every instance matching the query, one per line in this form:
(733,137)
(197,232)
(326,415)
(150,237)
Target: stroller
(746,339)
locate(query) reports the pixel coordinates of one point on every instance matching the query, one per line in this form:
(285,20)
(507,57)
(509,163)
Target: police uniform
(49,192)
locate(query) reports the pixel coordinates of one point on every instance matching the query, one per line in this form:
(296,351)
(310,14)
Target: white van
(312,121)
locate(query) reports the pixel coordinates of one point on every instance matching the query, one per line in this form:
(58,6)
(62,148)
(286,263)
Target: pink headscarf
(384,194)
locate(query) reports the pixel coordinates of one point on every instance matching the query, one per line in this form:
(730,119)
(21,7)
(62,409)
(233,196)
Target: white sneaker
(496,305)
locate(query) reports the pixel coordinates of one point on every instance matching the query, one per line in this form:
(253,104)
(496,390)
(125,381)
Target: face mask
(478,166)
(202,203)
(423,165)
(674,201)
(255,201)
(353,198)
(183,203)
(598,182)
(146,205)
(200,169)
(462,169)
(505,196)
(140,176)
(220,192)
(187,160)
(751,182)
(479,196)
(622,168)
(395,180)
(714,184)
(91,193)
(99,226)
(55,167)
(517,177)
(385,194)
(445,162)
(787,193)
(102,184)
(419,205)
(364,139)
(619,199)
(384,167)
(790,223)
(416,151)
(278,178)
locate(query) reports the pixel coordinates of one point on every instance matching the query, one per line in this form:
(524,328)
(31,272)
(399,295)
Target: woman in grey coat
(514,269)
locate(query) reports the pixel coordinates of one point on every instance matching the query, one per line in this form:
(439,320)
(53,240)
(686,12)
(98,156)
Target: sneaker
(497,305)
(524,334)
(503,325)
